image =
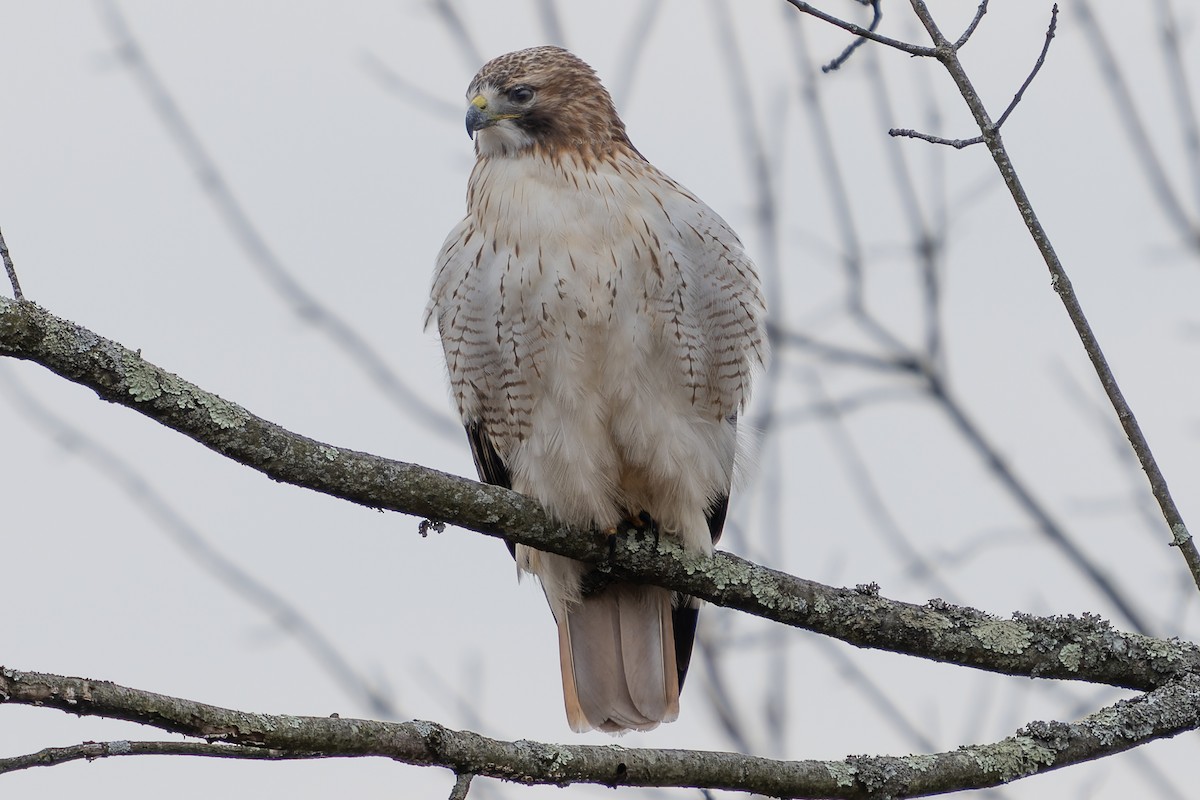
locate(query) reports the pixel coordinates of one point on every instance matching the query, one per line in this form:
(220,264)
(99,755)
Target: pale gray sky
(354,186)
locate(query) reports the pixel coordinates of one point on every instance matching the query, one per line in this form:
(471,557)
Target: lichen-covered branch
(1071,648)
(1038,747)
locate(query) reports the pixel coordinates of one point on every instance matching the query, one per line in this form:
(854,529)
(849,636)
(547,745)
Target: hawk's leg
(640,523)
(648,523)
(611,534)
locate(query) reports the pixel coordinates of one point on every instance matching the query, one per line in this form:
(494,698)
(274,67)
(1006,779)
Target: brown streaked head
(541,98)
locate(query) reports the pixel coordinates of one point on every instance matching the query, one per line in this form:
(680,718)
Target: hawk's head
(541,98)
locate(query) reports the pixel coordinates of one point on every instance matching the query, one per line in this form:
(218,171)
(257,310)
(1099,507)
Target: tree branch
(53,756)
(1086,649)
(1036,748)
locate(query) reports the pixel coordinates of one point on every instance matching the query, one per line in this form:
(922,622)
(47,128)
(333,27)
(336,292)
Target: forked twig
(959,144)
(858,30)
(306,304)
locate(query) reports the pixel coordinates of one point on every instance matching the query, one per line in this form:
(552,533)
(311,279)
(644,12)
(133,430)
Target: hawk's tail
(617,650)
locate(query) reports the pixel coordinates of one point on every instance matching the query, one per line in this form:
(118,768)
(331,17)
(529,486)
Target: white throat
(502,139)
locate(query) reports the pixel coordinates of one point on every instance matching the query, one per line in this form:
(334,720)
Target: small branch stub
(462,785)
(957,144)
(10,269)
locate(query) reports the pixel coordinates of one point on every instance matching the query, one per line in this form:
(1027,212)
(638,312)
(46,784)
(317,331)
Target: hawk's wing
(720,505)
(686,612)
(489,465)
(462,301)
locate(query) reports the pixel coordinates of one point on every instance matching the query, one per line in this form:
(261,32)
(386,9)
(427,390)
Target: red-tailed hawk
(600,325)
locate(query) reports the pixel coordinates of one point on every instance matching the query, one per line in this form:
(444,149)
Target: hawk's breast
(600,322)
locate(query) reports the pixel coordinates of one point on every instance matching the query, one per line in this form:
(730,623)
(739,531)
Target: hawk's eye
(520,94)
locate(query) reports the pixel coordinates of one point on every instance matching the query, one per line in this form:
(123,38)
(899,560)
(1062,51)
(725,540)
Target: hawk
(600,326)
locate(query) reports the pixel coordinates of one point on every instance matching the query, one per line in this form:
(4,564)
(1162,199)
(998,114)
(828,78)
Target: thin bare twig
(277,608)
(850,48)
(848,403)
(874,506)
(966,35)
(1047,525)
(721,701)
(10,269)
(397,84)
(306,305)
(1108,428)
(858,30)
(877,696)
(1184,101)
(837,354)
(764,181)
(849,240)
(471,53)
(928,246)
(631,53)
(1061,283)
(1142,144)
(552,27)
(1037,66)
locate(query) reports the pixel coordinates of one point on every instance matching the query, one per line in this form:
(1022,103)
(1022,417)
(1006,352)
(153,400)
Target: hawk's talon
(648,522)
(611,534)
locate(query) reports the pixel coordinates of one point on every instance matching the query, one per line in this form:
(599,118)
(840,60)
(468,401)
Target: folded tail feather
(618,655)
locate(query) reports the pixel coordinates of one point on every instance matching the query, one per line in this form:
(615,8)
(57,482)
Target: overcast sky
(337,130)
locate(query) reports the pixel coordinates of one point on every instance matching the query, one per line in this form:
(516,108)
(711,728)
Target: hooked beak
(478,119)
